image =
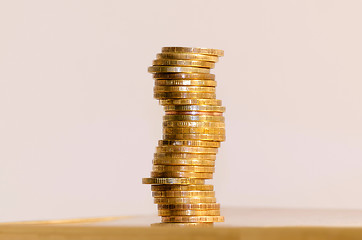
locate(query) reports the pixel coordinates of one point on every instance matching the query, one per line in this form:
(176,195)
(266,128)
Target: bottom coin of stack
(193,128)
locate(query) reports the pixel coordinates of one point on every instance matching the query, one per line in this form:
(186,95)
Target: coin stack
(193,127)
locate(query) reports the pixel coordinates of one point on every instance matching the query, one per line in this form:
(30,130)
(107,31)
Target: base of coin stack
(193,127)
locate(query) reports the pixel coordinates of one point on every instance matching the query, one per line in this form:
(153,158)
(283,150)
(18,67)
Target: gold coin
(182,187)
(181,175)
(193,130)
(187,56)
(185,149)
(162,95)
(188,124)
(194,113)
(206,108)
(213,102)
(170,69)
(185,156)
(193,143)
(206,51)
(184,162)
(183,181)
(182,76)
(183,63)
(198,206)
(160,89)
(193,118)
(165,168)
(193,219)
(202,83)
(213,212)
(182,225)
(184,200)
(205,137)
(183,194)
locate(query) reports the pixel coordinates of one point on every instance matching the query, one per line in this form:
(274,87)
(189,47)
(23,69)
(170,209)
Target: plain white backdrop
(79,125)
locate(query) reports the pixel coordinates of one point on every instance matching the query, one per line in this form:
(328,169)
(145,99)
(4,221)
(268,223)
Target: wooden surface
(253,224)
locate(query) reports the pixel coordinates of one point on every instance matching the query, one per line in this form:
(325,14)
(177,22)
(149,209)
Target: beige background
(78,122)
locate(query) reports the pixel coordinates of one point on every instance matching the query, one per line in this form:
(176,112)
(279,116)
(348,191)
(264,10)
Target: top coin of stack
(193,128)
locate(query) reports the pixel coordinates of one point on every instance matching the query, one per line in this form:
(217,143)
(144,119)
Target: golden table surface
(241,223)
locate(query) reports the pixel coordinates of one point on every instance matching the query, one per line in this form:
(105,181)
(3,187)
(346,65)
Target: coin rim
(193,219)
(176,69)
(205,51)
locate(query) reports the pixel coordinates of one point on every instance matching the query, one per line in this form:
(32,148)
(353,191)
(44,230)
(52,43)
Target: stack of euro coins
(193,127)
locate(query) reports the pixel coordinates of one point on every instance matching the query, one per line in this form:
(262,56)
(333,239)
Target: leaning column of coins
(193,127)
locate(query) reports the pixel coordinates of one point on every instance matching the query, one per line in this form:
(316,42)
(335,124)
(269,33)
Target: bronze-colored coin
(194,143)
(165,168)
(182,188)
(181,175)
(189,124)
(202,108)
(213,102)
(191,89)
(188,76)
(198,206)
(187,56)
(200,83)
(184,162)
(184,200)
(213,212)
(206,51)
(183,194)
(185,156)
(171,69)
(183,63)
(185,149)
(193,118)
(183,181)
(193,219)
(192,95)
(183,225)
(194,131)
(205,137)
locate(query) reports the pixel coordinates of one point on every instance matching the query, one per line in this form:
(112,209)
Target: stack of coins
(193,127)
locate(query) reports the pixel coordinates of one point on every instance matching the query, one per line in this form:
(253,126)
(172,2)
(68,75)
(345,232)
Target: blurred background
(79,125)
